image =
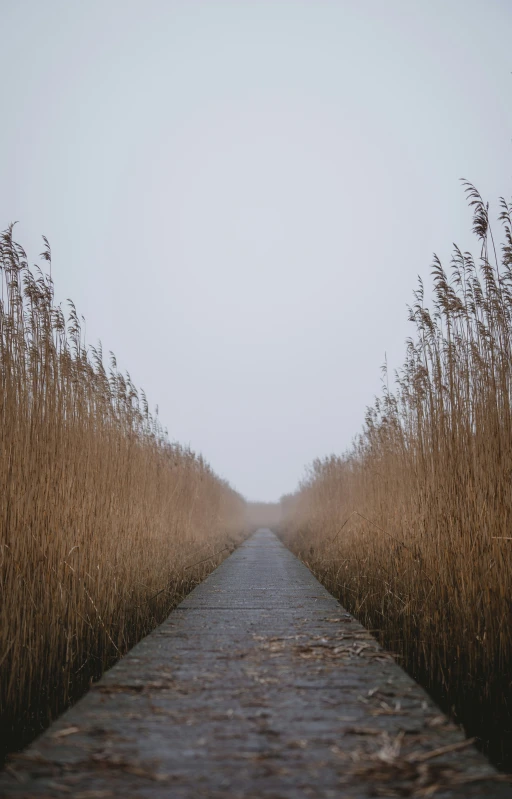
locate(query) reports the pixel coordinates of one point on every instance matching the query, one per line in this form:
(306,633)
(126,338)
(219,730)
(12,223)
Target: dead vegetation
(392,771)
(412,527)
(104,524)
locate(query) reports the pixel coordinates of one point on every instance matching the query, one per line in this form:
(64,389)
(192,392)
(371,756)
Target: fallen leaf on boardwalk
(92,794)
(389,711)
(18,776)
(257,702)
(403,779)
(394,774)
(387,657)
(107,760)
(324,649)
(159,685)
(437,721)
(299,744)
(362,648)
(421,757)
(135,687)
(273,646)
(363,731)
(66,731)
(29,757)
(118,689)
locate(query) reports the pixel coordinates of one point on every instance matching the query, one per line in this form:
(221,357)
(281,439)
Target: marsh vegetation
(411,528)
(104,524)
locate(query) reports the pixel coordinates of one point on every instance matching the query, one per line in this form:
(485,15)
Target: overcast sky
(240,195)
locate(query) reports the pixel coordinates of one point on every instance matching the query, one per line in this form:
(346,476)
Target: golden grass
(104,525)
(412,528)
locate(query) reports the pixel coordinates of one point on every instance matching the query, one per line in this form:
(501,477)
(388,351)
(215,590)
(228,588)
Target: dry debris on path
(258,685)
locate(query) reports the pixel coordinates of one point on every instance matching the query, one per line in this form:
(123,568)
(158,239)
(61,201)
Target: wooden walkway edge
(258,685)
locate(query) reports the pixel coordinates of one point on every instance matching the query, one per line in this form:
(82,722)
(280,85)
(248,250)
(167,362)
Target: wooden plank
(258,685)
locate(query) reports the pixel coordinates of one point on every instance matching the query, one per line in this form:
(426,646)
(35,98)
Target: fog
(240,195)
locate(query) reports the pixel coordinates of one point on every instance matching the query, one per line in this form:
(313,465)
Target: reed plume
(412,527)
(104,524)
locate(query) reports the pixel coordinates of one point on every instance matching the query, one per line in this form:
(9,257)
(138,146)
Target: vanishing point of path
(258,685)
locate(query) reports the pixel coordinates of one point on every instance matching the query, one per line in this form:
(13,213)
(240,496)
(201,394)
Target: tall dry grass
(104,525)
(412,528)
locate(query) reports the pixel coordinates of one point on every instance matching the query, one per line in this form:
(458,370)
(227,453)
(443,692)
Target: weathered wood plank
(258,685)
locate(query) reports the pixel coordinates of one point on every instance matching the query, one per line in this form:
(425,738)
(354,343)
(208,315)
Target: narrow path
(258,685)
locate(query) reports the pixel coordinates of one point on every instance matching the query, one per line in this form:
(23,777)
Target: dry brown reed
(104,524)
(412,528)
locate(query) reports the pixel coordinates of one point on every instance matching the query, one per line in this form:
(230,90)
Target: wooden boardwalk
(258,685)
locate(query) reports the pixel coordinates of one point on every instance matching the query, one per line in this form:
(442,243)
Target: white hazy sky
(240,195)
